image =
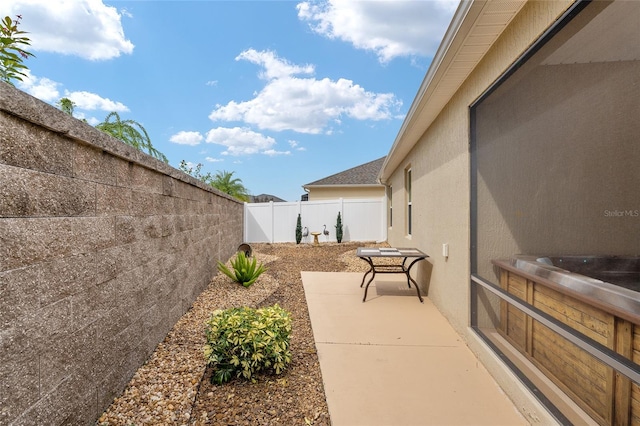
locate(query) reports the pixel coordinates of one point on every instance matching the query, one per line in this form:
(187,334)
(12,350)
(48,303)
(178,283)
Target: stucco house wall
(440,168)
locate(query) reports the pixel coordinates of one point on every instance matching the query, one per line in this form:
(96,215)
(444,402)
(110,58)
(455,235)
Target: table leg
(365,276)
(405,271)
(409,279)
(371,270)
(366,288)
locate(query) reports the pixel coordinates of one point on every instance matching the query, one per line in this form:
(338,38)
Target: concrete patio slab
(394,360)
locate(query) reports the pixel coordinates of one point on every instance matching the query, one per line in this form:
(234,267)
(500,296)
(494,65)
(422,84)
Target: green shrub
(245,271)
(339,228)
(299,229)
(243,341)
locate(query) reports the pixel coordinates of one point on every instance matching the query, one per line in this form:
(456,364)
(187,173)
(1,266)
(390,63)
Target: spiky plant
(245,271)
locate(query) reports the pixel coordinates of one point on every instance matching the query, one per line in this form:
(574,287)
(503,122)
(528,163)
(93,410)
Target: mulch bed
(173,387)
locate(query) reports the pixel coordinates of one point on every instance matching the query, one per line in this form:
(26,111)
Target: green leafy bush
(243,341)
(245,271)
(12,53)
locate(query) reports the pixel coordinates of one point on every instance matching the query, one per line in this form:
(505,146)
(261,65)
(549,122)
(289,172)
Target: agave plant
(245,271)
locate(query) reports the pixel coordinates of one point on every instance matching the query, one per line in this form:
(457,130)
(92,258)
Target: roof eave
(345,185)
(459,53)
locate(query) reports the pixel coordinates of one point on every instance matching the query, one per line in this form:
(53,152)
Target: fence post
(245,222)
(273,223)
(342,215)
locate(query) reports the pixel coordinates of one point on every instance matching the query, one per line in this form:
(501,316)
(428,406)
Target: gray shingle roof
(365,174)
(264,198)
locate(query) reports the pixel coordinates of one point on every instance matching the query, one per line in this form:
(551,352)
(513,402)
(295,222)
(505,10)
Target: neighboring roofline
(351,176)
(463,46)
(343,185)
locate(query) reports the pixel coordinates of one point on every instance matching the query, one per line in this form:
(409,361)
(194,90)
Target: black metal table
(367,254)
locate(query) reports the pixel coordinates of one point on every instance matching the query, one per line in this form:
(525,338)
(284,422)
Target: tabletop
(389,252)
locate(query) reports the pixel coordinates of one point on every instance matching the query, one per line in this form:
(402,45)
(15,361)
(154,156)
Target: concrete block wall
(102,249)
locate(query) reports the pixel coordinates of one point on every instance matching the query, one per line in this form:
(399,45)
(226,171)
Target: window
(555,178)
(407,184)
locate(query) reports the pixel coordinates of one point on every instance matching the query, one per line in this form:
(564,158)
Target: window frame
(478,284)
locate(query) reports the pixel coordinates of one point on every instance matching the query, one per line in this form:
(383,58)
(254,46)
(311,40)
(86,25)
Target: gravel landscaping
(173,386)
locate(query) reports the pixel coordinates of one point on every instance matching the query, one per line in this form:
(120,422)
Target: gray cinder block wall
(102,249)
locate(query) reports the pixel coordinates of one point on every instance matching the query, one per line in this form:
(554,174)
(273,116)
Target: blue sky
(282,93)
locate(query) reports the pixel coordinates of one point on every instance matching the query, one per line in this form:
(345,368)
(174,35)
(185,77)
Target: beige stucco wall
(335,192)
(440,165)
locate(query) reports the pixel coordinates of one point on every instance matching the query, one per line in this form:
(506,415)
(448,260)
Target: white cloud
(85,28)
(212,83)
(187,138)
(274,67)
(389,28)
(47,91)
(273,152)
(294,144)
(239,141)
(91,120)
(39,87)
(214,160)
(305,105)
(91,101)
(125,12)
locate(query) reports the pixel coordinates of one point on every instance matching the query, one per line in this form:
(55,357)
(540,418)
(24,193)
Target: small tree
(339,228)
(130,132)
(225,182)
(299,229)
(66,105)
(222,180)
(12,53)
(195,172)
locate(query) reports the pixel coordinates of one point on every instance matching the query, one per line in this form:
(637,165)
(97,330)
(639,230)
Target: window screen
(557,145)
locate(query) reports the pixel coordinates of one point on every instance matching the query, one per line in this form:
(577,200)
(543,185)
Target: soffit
(474,28)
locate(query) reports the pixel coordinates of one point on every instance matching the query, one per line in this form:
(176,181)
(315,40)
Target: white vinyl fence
(362,220)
